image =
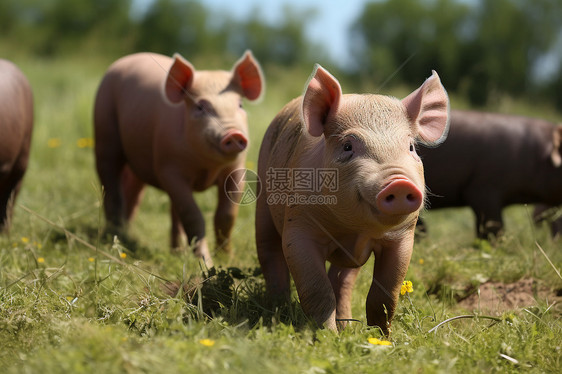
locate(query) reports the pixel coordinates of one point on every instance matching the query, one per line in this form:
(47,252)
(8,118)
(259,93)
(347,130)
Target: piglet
(16,126)
(158,121)
(341,181)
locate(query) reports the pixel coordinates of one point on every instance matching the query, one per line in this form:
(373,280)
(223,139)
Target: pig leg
(133,190)
(342,280)
(307,263)
(176,229)
(487,209)
(190,216)
(391,263)
(226,213)
(270,254)
(9,189)
(110,161)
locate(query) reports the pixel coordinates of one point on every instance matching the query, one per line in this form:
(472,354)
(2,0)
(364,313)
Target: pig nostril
(410,197)
(389,198)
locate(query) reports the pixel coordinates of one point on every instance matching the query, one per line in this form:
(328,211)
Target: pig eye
(199,109)
(413,151)
(347,152)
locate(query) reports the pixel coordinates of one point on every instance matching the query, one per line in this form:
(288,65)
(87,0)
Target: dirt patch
(497,298)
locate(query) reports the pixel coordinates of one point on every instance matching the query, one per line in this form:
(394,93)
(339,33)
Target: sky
(329,27)
(331,23)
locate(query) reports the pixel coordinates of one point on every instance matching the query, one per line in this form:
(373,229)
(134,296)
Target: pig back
(16,114)
(485,153)
(281,139)
(130,97)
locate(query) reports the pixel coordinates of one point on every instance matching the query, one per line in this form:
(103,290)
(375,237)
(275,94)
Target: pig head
(16,126)
(342,181)
(158,121)
(492,160)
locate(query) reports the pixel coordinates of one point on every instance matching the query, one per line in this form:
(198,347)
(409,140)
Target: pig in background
(16,126)
(551,215)
(158,121)
(490,161)
(369,141)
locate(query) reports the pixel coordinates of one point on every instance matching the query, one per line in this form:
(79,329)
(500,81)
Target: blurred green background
(482,49)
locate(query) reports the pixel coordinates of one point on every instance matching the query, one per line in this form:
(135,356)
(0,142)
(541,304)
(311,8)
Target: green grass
(70,303)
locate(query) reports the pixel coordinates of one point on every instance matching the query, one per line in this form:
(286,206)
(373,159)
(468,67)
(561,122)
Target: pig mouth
(363,201)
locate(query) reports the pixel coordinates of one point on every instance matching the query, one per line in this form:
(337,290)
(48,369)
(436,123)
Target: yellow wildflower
(207,342)
(421,261)
(250,165)
(375,341)
(123,255)
(91,259)
(85,143)
(53,143)
(24,239)
(40,260)
(406,287)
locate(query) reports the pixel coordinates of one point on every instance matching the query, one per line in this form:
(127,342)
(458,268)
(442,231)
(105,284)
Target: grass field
(73,300)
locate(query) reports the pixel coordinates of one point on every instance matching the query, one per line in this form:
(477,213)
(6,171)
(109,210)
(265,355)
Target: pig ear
(247,75)
(179,79)
(555,156)
(428,108)
(321,99)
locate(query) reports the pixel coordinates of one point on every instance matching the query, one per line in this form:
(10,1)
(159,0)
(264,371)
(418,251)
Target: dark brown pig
(16,126)
(158,121)
(551,215)
(342,180)
(490,161)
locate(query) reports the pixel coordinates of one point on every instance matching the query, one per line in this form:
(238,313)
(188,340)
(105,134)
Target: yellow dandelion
(123,255)
(53,143)
(40,260)
(421,261)
(91,259)
(207,342)
(85,143)
(375,341)
(24,239)
(38,245)
(406,287)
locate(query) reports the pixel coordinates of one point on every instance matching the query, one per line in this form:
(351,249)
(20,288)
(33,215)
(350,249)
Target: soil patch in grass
(497,297)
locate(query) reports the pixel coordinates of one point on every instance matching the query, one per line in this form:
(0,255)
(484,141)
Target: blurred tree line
(481,48)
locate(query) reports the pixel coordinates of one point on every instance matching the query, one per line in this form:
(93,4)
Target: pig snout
(399,197)
(233,142)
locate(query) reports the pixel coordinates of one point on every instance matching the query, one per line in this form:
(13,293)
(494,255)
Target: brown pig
(158,121)
(342,181)
(490,161)
(16,126)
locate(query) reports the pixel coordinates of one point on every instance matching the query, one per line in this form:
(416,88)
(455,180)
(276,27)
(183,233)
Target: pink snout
(400,197)
(233,142)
